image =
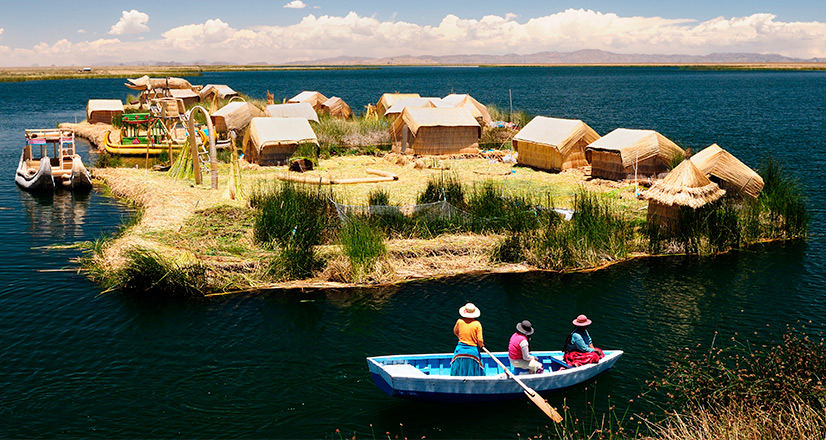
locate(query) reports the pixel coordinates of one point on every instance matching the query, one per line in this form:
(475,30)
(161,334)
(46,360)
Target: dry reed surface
(169,207)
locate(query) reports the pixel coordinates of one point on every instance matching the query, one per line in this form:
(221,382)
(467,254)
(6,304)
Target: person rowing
(579,348)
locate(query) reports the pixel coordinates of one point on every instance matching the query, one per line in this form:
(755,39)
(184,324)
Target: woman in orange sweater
(467,361)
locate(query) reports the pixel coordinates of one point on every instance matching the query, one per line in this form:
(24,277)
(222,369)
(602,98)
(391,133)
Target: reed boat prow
(427,376)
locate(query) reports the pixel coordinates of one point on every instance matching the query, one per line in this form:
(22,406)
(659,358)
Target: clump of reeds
(291,218)
(445,186)
(518,117)
(106,160)
(183,166)
(358,135)
(148,271)
(363,245)
(378,197)
(783,200)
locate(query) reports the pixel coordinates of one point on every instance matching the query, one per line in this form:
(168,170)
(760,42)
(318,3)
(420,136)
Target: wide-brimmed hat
(525,328)
(582,321)
(469,310)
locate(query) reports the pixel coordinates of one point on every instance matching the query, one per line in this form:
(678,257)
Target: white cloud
(1,32)
(316,37)
(295,4)
(81,31)
(131,22)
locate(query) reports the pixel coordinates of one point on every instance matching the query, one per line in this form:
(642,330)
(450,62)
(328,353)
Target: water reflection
(55,215)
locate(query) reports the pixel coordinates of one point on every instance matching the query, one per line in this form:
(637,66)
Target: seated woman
(467,361)
(519,352)
(579,349)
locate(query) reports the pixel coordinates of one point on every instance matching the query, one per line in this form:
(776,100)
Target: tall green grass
(444,186)
(363,245)
(148,271)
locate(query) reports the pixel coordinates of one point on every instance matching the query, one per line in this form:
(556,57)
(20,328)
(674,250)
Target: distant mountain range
(585,56)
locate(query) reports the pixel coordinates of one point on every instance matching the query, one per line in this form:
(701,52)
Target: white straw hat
(469,310)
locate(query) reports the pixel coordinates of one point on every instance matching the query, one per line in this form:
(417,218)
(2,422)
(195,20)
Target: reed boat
(427,376)
(64,169)
(143,134)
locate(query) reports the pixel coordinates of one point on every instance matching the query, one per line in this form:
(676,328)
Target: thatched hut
(426,131)
(189,97)
(222,91)
(477,109)
(235,116)
(388,99)
(553,144)
(396,109)
(618,154)
(271,141)
(336,106)
(295,110)
(315,99)
(722,168)
(103,110)
(684,186)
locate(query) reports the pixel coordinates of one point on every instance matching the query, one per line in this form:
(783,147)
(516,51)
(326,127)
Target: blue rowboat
(427,376)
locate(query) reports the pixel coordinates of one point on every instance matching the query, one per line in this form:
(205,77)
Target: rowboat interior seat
(404,370)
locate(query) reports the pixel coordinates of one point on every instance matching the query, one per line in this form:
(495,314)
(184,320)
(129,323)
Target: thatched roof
(235,115)
(147,83)
(561,134)
(336,107)
(102,110)
(281,131)
(417,117)
(185,94)
(717,162)
(222,90)
(315,99)
(685,185)
(400,105)
(477,109)
(295,110)
(637,145)
(388,99)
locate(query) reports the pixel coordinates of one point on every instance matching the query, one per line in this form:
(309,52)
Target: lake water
(78,363)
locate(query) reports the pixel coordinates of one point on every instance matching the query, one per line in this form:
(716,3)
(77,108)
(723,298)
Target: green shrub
(378,197)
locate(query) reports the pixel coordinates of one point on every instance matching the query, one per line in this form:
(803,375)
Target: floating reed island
(305,193)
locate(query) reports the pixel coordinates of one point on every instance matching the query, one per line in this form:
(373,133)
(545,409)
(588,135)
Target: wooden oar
(533,395)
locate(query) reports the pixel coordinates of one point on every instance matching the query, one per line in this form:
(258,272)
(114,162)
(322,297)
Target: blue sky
(52,32)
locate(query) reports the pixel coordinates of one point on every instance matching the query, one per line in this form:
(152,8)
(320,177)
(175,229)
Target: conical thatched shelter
(235,116)
(615,155)
(477,109)
(388,99)
(315,99)
(728,172)
(425,131)
(685,186)
(336,106)
(553,144)
(271,141)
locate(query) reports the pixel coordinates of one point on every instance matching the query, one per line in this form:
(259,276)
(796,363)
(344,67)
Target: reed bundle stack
(103,110)
(388,99)
(271,141)
(235,116)
(435,131)
(295,110)
(684,186)
(477,109)
(396,109)
(617,155)
(336,106)
(728,172)
(222,91)
(315,99)
(553,144)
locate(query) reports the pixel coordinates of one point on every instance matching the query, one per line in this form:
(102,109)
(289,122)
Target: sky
(277,31)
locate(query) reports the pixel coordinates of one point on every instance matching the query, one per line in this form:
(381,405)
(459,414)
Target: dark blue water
(78,363)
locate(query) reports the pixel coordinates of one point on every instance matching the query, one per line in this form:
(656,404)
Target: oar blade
(544,406)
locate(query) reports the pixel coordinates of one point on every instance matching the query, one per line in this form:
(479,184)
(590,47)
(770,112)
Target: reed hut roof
(636,145)
(388,99)
(561,134)
(685,185)
(314,98)
(222,90)
(147,83)
(477,109)
(294,110)
(184,94)
(102,110)
(236,115)
(418,117)
(337,107)
(281,131)
(401,104)
(717,162)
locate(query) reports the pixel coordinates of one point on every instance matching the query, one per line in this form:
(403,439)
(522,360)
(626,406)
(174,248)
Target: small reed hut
(222,91)
(336,107)
(103,110)
(235,116)
(434,131)
(722,168)
(396,109)
(315,99)
(553,144)
(388,99)
(618,154)
(271,141)
(477,109)
(189,97)
(297,110)
(684,186)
